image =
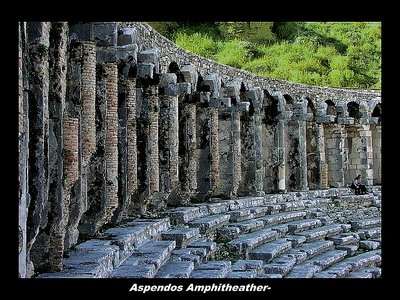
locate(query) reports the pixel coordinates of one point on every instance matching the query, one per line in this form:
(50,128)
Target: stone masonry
(116,123)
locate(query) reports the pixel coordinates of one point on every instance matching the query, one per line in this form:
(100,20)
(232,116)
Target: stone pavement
(316,234)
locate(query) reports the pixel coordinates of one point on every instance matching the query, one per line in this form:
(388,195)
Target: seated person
(357,186)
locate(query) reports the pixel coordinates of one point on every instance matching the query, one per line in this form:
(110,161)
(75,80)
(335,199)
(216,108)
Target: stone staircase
(293,235)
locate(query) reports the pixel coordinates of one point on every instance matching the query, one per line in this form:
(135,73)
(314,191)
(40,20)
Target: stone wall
(115,121)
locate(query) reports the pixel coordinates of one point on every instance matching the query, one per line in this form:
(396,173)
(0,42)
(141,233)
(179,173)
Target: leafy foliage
(338,54)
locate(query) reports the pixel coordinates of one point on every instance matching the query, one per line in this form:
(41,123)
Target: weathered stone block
(190,74)
(127,52)
(105,33)
(220,102)
(205,97)
(232,87)
(213,81)
(243,106)
(256,95)
(145,69)
(149,56)
(127,36)
(184,87)
(106,54)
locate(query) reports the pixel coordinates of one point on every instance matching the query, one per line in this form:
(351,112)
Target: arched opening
(331,110)
(289,102)
(377,113)
(353,109)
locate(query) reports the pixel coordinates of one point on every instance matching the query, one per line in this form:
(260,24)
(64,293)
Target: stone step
(131,270)
(189,255)
(182,236)
(282,217)
(248,265)
(321,232)
(340,270)
(247,226)
(301,225)
(153,252)
(212,269)
(240,215)
(292,206)
(134,234)
(175,269)
(369,245)
(300,255)
(242,274)
(269,251)
(359,274)
(367,259)
(246,202)
(370,233)
(375,271)
(344,239)
(92,259)
(350,249)
(210,223)
(183,215)
(209,247)
(296,240)
(304,270)
(269,276)
(328,258)
(249,241)
(315,248)
(281,265)
(365,223)
(217,207)
(323,274)
(273,209)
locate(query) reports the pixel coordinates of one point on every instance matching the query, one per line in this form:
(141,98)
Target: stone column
(59,207)
(321,158)
(169,134)
(236,150)
(38,44)
(23,135)
(299,128)
(281,155)
(111,143)
(257,97)
(366,154)
(377,153)
(214,150)
(131,138)
(191,162)
(335,136)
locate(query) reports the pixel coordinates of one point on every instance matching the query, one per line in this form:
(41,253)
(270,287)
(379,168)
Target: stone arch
(330,110)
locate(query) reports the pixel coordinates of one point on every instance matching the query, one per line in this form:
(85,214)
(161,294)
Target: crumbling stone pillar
(191,161)
(38,48)
(365,153)
(298,151)
(59,208)
(23,138)
(321,158)
(377,153)
(111,143)
(169,138)
(131,138)
(280,140)
(256,95)
(335,136)
(80,104)
(214,150)
(233,90)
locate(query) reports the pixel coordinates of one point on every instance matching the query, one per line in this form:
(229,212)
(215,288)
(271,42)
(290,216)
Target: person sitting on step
(358,187)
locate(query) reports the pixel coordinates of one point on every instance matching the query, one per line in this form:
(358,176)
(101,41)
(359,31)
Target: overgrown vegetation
(337,54)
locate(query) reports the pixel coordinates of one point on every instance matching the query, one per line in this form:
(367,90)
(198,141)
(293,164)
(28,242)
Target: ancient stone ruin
(140,159)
